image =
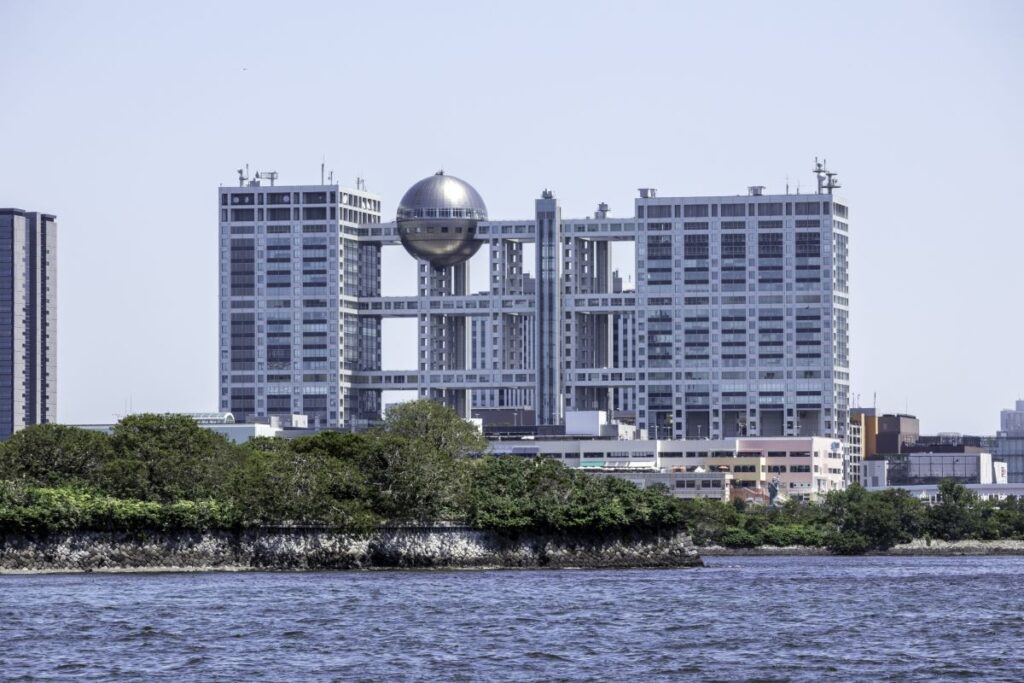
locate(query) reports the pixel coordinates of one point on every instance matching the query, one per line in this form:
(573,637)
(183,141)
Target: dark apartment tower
(28,319)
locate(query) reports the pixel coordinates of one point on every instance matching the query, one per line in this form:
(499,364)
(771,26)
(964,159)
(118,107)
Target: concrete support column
(445,340)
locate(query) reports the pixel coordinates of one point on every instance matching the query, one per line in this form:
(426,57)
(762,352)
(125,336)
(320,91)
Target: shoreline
(284,550)
(412,549)
(916,548)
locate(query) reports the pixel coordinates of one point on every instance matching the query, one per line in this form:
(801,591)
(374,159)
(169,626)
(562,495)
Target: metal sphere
(437,220)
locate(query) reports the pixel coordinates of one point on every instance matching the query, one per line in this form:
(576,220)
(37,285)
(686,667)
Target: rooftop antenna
(826,178)
(831,183)
(267,175)
(243,175)
(330,177)
(787,184)
(322,170)
(819,171)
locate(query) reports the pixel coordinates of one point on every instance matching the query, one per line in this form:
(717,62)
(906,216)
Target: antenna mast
(826,179)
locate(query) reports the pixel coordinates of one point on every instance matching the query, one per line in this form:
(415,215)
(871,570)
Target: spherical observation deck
(437,220)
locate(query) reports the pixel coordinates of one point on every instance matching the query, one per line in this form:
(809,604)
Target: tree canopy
(424,464)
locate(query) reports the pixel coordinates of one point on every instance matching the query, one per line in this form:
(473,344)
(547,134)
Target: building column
(548,392)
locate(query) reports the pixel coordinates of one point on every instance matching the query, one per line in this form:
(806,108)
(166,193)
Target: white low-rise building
(806,468)
(237,432)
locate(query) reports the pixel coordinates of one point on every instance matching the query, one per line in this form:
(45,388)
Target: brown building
(896,433)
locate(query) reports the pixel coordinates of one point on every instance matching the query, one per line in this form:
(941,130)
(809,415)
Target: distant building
(867,421)
(951,442)
(680,483)
(293,270)
(895,433)
(28,319)
(736,323)
(917,469)
(290,426)
(921,473)
(1011,421)
(1010,441)
(806,468)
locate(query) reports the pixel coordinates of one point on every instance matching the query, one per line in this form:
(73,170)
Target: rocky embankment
(318,549)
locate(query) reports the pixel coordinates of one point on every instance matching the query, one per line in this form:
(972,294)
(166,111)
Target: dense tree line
(166,472)
(857,521)
(424,465)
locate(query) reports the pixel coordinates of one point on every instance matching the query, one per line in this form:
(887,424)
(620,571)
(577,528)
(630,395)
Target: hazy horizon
(123,119)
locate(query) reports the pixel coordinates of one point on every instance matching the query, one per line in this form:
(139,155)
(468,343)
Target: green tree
(338,445)
(707,520)
(957,515)
(54,455)
(514,494)
(416,464)
(288,486)
(871,521)
(436,428)
(167,458)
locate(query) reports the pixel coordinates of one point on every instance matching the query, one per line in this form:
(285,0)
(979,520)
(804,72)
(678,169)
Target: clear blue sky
(123,118)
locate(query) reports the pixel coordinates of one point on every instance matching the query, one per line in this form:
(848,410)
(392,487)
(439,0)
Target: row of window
(805,208)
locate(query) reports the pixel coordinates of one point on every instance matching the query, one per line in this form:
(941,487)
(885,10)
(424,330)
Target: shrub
(736,537)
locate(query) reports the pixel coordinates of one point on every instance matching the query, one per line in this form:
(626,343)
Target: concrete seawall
(318,549)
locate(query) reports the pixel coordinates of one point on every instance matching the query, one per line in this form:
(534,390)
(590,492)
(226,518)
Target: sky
(124,118)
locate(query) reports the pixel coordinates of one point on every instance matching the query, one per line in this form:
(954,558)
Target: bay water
(740,618)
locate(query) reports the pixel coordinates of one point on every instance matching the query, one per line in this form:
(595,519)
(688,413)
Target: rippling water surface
(772,619)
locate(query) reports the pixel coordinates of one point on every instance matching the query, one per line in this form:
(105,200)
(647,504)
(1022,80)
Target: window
(769,245)
(695,211)
(808,244)
(696,246)
(734,246)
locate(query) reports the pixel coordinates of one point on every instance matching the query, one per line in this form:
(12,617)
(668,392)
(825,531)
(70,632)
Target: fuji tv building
(736,326)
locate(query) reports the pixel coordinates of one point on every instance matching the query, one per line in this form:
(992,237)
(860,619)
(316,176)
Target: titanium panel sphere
(437,220)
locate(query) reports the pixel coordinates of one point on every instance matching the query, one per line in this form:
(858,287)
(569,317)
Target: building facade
(867,420)
(806,468)
(28,319)
(1009,445)
(919,469)
(1011,420)
(292,273)
(738,323)
(896,433)
(854,450)
(681,484)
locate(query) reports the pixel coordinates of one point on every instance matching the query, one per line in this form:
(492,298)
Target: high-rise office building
(28,319)
(292,271)
(737,324)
